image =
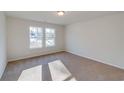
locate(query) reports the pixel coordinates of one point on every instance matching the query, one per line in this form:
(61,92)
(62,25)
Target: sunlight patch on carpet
(58,71)
(31,74)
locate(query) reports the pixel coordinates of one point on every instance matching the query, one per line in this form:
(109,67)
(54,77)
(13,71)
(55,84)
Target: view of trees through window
(40,38)
(49,37)
(36,35)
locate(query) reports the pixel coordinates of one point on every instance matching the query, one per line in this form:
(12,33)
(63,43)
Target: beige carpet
(60,66)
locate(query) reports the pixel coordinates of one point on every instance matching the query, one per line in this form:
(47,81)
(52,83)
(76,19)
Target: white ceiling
(70,17)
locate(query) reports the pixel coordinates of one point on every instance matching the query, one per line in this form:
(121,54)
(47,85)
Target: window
(49,37)
(41,38)
(36,37)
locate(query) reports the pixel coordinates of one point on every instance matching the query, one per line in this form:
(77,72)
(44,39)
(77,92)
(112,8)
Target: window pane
(49,37)
(50,32)
(50,42)
(36,34)
(39,32)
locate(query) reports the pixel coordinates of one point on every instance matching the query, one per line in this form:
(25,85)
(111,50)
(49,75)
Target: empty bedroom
(61,46)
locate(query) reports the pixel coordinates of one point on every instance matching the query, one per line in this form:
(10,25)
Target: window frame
(41,44)
(54,37)
(43,37)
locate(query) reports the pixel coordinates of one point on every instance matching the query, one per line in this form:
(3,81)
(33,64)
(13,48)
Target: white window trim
(51,37)
(43,38)
(37,47)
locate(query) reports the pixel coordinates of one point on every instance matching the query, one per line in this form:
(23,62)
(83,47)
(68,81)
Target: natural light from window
(56,70)
(49,37)
(31,74)
(36,37)
(59,72)
(40,37)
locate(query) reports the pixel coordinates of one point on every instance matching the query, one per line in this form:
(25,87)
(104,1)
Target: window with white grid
(50,37)
(36,37)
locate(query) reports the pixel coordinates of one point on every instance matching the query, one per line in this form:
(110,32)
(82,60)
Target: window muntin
(36,37)
(49,37)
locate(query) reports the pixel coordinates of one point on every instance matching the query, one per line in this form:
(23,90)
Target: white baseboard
(30,56)
(10,60)
(96,60)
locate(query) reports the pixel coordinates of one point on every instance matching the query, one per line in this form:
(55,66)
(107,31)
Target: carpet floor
(62,66)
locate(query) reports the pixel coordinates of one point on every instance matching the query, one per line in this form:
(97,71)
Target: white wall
(18,38)
(3,56)
(100,39)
